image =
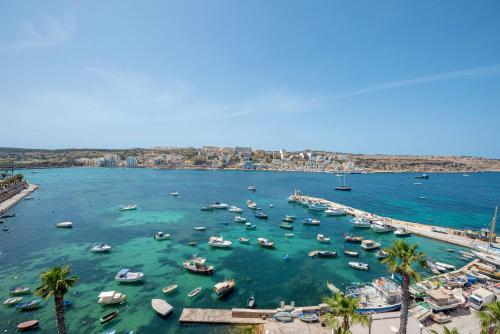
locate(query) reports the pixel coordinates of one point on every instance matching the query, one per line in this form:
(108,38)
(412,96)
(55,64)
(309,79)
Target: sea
(90,198)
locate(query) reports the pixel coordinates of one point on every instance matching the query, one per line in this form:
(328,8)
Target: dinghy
(108,317)
(161,307)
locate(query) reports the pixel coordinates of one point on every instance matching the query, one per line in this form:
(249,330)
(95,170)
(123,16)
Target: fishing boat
(161,307)
(286,226)
(260,215)
(251,205)
(322,238)
(381,227)
(382,295)
(289,235)
(127,276)
(326,253)
(350,253)
(252,188)
(207,208)
(265,243)
(353,239)
(219,205)
(194,292)
(442,299)
(108,317)
(287,220)
(359,265)
(235,209)
(219,242)
(309,317)
(19,290)
(402,232)
(317,207)
(369,244)
(128,207)
(161,236)
(422,176)
(64,225)
(244,240)
(111,297)
(197,265)
(223,288)
(342,185)
(199,228)
(251,302)
(239,219)
(360,222)
(335,212)
(12,300)
(28,325)
(174,193)
(29,305)
(310,221)
(249,226)
(100,248)
(381,254)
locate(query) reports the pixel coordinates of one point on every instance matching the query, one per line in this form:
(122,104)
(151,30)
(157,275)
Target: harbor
(10,202)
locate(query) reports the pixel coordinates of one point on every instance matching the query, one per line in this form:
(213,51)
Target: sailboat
(342,186)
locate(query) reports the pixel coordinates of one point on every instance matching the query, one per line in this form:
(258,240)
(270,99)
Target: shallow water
(90,198)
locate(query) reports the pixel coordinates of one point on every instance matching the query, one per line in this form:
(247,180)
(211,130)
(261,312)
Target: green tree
(343,307)
(400,260)
(446,330)
(56,282)
(490,318)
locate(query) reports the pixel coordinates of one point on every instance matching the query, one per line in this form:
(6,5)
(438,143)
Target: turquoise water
(90,198)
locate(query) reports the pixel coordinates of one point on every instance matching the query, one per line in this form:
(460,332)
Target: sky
(392,77)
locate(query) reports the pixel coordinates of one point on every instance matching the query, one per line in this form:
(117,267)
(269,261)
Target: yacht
(218,205)
(322,238)
(382,295)
(442,299)
(128,207)
(343,186)
(235,209)
(161,236)
(360,222)
(219,242)
(295,197)
(127,276)
(64,225)
(369,244)
(174,193)
(223,288)
(381,227)
(335,212)
(252,188)
(251,205)
(250,226)
(402,232)
(310,221)
(317,207)
(100,248)
(196,264)
(358,265)
(239,219)
(261,215)
(111,297)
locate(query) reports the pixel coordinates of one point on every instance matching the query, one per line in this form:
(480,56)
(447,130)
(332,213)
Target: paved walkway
(8,203)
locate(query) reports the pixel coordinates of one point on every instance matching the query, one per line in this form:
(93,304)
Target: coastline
(10,202)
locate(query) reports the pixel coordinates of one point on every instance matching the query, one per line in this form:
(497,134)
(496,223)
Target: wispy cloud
(46,33)
(474,72)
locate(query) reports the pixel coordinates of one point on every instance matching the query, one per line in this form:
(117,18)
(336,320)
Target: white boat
(199,228)
(239,219)
(446,265)
(359,265)
(402,232)
(441,299)
(170,288)
(322,238)
(289,235)
(489,258)
(295,197)
(235,209)
(194,292)
(266,243)
(161,236)
(381,227)
(332,287)
(127,276)
(251,205)
(310,221)
(128,207)
(161,307)
(361,222)
(252,188)
(244,240)
(174,193)
(369,244)
(335,212)
(218,205)
(223,288)
(382,295)
(317,207)
(219,242)
(12,300)
(100,248)
(111,297)
(64,225)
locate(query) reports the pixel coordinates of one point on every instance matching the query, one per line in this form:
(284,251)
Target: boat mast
(493,225)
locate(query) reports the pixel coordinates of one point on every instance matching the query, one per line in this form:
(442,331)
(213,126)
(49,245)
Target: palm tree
(56,282)
(345,308)
(400,259)
(446,330)
(490,318)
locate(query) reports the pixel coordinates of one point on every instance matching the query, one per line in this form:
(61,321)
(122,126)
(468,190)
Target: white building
(132,162)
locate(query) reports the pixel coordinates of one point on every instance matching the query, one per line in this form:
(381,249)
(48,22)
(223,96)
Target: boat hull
(382,309)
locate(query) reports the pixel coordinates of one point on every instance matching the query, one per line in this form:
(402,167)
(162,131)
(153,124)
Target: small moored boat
(29,305)
(28,325)
(12,300)
(381,254)
(286,226)
(19,290)
(335,212)
(369,244)
(289,235)
(127,276)
(252,188)
(128,207)
(108,317)
(263,242)
(219,242)
(244,240)
(249,226)
(111,297)
(326,253)
(64,225)
(207,208)
(197,265)
(218,205)
(402,232)
(350,253)
(310,221)
(100,248)
(359,265)
(161,307)
(260,215)
(353,239)
(235,209)
(239,219)
(322,238)
(161,236)
(194,292)
(199,228)
(174,193)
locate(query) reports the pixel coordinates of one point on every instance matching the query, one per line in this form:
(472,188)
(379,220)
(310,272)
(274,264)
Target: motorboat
(207,208)
(250,226)
(251,302)
(294,198)
(108,317)
(359,265)
(161,307)
(263,242)
(381,254)
(361,222)
(260,215)
(287,220)
(28,325)
(161,236)
(223,288)
(332,287)
(286,226)
(199,228)
(326,253)
(350,253)
(251,205)
(402,232)
(446,265)
(100,248)
(19,290)
(290,217)
(422,176)
(381,227)
(235,209)
(311,221)
(218,205)
(244,240)
(353,239)
(271,205)
(219,242)
(193,243)
(174,193)
(239,219)
(111,297)
(170,288)
(29,305)
(252,188)
(369,244)
(309,317)
(197,265)
(317,207)
(64,225)
(128,207)
(442,299)
(335,212)
(289,235)
(127,276)
(382,295)
(322,238)
(12,300)
(194,292)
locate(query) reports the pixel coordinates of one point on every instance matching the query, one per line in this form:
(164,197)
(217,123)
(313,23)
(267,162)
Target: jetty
(10,202)
(448,235)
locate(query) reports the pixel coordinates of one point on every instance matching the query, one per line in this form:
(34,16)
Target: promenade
(415,228)
(10,202)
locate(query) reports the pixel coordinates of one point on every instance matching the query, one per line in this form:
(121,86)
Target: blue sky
(353,76)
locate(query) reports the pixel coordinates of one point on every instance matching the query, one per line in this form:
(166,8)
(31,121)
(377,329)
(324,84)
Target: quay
(452,236)
(10,202)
